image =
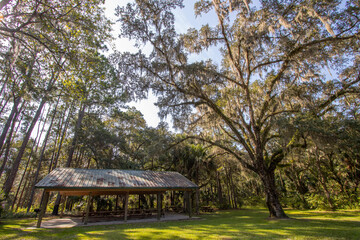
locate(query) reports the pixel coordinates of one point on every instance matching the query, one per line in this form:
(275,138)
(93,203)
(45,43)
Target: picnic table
(206,209)
(175,209)
(100,214)
(136,213)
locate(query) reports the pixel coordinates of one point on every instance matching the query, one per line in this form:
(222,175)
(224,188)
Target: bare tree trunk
(22,198)
(78,158)
(4,80)
(15,120)
(228,185)
(272,198)
(57,138)
(8,141)
(56,205)
(27,180)
(322,181)
(63,134)
(76,133)
(233,189)
(219,189)
(4,105)
(41,157)
(58,197)
(88,162)
(7,125)
(10,180)
(20,184)
(36,143)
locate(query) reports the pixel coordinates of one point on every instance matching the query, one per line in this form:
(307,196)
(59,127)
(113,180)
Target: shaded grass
(234,224)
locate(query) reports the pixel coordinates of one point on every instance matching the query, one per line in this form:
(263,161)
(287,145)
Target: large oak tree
(275,59)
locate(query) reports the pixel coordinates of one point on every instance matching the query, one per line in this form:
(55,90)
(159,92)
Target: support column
(126,206)
(43,207)
(159,206)
(185,202)
(117,203)
(63,201)
(139,201)
(87,209)
(189,204)
(197,201)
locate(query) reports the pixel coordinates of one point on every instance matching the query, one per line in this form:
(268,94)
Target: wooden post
(189,204)
(63,201)
(126,206)
(139,201)
(117,203)
(185,201)
(43,208)
(159,203)
(87,209)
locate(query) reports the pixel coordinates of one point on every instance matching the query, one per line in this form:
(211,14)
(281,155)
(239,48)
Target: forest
(273,122)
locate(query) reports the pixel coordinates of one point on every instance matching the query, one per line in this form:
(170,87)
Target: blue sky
(184,19)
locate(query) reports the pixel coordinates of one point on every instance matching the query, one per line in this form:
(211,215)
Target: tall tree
(42,44)
(274,55)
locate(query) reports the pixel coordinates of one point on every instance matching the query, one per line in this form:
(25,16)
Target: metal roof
(113,179)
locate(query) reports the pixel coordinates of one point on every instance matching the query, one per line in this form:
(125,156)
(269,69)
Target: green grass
(234,224)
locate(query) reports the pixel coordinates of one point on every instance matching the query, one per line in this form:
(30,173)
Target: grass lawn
(233,224)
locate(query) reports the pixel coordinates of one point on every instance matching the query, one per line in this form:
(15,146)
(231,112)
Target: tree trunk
(78,158)
(228,186)
(14,112)
(57,205)
(58,197)
(322,181)
(4,80)
(22,198)
(10,180)
(36,143)
(272,197)
(76,133)
(23,189)
(3,104)
(63,134)
(9,138)
(41,157)
(57,138)
(219,190)
(233,189)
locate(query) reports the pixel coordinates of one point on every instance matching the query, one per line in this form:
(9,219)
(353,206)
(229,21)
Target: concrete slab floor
(76,221)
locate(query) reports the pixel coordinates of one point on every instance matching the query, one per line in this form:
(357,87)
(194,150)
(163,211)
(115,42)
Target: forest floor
(232,224)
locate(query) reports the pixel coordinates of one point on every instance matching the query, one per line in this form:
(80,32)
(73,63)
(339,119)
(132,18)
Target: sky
(184,19)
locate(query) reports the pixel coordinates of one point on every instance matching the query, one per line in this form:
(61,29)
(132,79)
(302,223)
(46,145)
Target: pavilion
(94,182)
